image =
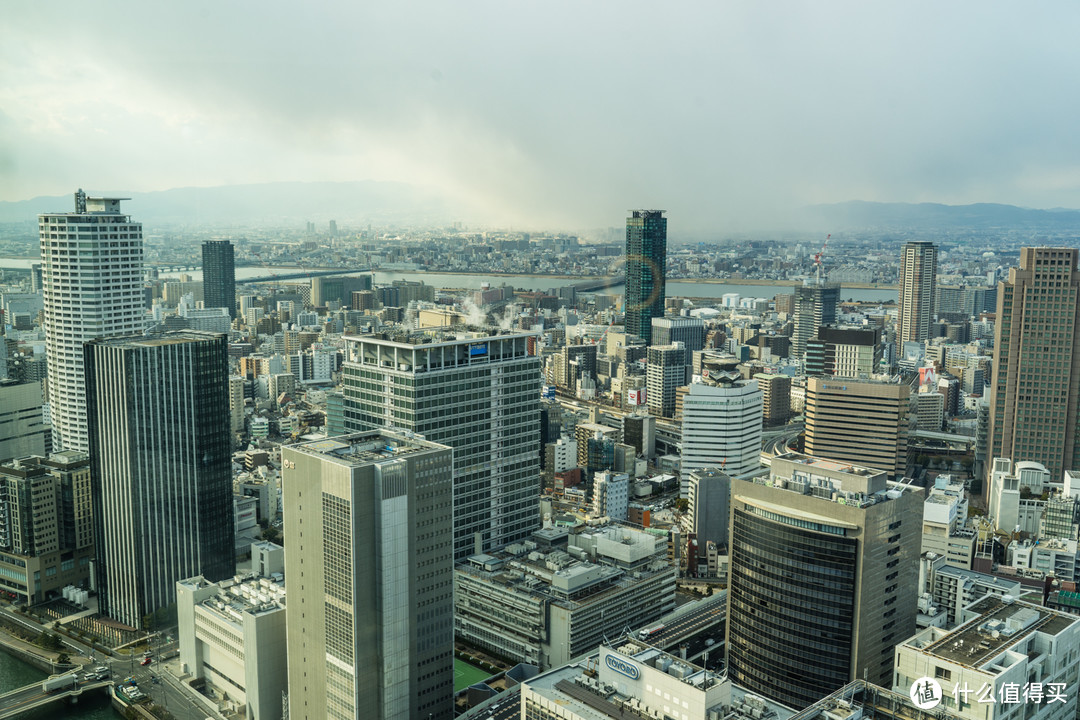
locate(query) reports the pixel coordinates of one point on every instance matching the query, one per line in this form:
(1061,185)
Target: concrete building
(1008,508)
(775,397)
(583,432)
(46,525)
(709,508)
(479,394)
(1057,557)
(815,305)
(1035,387)
(918,278)
(844,351)
(23,430)
(219,276)
(953,588)
(861,700)
(339,289)
(370,563)
(206,319)
(573,363)
(236,404)
(665,371)
(160,467)
(721,423)
(945,530)
(83,254)
(823,558)
(1002,648)
(690,331)
(639,431)
(629,679)
(545,608)
(646,271)
(611,495)
(929,410)
(232,635)
(560,455)
(863,422)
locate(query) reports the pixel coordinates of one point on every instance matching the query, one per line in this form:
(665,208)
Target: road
(29,697)
(164,691)
(712,611)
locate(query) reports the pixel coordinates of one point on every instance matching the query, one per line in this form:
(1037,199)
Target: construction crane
(819,256)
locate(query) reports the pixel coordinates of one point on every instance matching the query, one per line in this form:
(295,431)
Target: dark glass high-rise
(646,268)
(219,275)
(161,478)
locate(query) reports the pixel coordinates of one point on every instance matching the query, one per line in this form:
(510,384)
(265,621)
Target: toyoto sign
(619,665)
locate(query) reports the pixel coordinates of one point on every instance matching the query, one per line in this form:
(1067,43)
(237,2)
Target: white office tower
(91,267)
(721,423)
(477,393)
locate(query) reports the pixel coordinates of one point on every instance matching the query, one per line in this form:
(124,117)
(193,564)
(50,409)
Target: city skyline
(756,112)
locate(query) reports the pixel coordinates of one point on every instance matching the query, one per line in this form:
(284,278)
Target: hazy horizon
(561,115)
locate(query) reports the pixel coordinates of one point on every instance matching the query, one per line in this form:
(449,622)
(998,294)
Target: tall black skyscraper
(646,268)
(158,418)
(219,275)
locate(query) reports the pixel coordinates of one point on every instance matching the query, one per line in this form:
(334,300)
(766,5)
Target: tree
(63,659)
(682,505)
(272,534)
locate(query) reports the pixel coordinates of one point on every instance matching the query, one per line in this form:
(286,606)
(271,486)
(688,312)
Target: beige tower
(918,273)
(864,422)
(1036,378)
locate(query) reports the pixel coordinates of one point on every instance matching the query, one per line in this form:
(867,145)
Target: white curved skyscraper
(91,265)
(721,422)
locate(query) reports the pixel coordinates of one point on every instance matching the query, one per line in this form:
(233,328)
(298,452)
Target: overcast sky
(562,114)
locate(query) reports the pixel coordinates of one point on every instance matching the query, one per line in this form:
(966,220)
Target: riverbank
(779,283)
(44,660)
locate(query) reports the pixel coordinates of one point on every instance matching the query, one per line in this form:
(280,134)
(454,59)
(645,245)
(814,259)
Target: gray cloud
(561,114)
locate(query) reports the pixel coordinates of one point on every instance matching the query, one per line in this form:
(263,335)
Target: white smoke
(474,316)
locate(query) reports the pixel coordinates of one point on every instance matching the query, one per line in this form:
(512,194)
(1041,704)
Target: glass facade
(646,270)
(161,477)
(219,275)
(792,607)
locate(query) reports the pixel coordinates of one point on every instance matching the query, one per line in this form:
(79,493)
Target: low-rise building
(953,588)
(945,531)
(630,679)
(544,608)
(232,634)
(988,667)
(1055,557)
(46,525)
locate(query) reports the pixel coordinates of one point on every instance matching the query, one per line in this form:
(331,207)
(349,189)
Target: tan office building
(863,422)
(1035,385)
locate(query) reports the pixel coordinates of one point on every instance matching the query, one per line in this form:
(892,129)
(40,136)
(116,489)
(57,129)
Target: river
(675,288)
(15,674)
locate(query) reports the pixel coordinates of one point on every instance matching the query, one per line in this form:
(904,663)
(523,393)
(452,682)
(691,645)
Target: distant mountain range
(261,204)
(929,216)
(382,203)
